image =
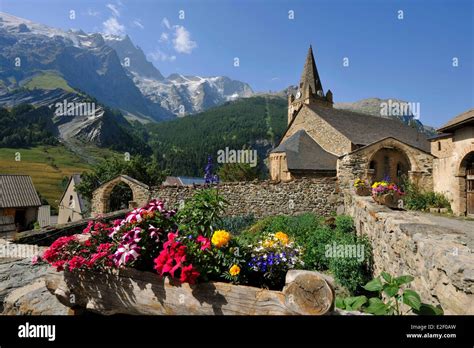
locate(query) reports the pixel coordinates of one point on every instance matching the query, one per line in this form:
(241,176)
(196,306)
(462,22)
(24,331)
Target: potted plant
(386,193)
(361,187)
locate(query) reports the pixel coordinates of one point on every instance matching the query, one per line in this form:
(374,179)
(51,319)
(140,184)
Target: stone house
(453,167)
(323,141)
(19,203)
(72,206)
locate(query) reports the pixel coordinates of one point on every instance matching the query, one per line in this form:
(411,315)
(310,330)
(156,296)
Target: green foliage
(236,224)
(139,168)
(311,231)
(391,296)
(202,212)
(416,199)
(25,126)
(182,145)
(238,172)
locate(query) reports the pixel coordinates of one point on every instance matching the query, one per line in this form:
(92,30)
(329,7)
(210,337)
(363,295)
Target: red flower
(76,262)
(189,274)
(205,242)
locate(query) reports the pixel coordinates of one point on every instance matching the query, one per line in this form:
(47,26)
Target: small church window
(71,201)
(439,145)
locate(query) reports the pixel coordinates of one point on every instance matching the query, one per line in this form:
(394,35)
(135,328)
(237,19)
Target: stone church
(321,140)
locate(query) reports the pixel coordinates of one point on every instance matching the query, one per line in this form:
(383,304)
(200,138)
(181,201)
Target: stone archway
(389,162)
(464,195)
(100,197)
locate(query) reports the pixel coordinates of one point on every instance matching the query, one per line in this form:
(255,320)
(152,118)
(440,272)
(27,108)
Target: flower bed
(180,248)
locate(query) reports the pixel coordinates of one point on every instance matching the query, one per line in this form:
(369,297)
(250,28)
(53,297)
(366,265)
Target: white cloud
(182,42)
(166,23)
(138,24)
(164,37)
(93,13)
(112,26)
(114,9)
(275,79)
(160,56)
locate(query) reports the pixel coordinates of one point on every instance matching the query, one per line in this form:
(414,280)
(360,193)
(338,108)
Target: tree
(238,172)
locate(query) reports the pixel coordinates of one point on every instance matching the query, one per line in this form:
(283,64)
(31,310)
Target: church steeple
(310,82)
(310,90)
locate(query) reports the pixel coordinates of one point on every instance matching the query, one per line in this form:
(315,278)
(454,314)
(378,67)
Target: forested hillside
(182,145)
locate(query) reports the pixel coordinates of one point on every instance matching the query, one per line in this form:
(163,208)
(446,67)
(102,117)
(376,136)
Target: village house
(453,167)
(19,203)
(72,206)
(323,141)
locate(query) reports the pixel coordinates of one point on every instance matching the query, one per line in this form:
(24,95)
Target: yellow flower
(234,270)
(282,237)
(268,243)
(220,238)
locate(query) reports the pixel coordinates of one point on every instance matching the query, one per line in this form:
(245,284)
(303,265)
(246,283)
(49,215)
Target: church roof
(310,76)
(303,153)
(457,121)
(363,129)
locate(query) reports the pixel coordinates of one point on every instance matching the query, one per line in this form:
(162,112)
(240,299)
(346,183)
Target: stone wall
(264,198)
(436,251)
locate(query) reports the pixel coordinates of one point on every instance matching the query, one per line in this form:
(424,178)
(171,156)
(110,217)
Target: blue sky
(409,58)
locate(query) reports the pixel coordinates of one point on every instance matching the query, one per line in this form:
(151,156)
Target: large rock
(23,290)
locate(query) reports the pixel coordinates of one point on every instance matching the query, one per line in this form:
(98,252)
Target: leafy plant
(202,212)
(416,199)
(392,298)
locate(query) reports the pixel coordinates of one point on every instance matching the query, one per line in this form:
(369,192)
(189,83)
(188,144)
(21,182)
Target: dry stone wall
(265,198)
(436,251)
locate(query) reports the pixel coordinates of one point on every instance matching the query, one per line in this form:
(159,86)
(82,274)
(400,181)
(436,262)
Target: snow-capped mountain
(177,93)
(109,68)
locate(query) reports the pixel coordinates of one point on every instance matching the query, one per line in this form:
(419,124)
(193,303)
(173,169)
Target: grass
(48,80)
(47,165)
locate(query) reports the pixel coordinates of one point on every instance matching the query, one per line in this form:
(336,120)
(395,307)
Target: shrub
(236,224)
(416,199)
(310,231)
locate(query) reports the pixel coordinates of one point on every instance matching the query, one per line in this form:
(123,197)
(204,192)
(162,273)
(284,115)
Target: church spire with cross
(310,82)
(310,90)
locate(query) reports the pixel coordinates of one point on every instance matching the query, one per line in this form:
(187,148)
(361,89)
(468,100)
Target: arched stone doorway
(101,196)
(466,184)
(389,163)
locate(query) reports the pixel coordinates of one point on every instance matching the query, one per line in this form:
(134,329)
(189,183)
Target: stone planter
(389,199)
(129,291)
(363,191)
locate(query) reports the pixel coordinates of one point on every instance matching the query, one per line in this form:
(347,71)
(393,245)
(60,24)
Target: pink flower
(135,215)
(205,242)
(76,262)
(133,235)
(35,259)
(155,205)
(126,253)
(117,226)
(155,232)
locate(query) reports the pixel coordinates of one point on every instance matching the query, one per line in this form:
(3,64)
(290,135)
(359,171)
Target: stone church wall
(437,256)
(265,198)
